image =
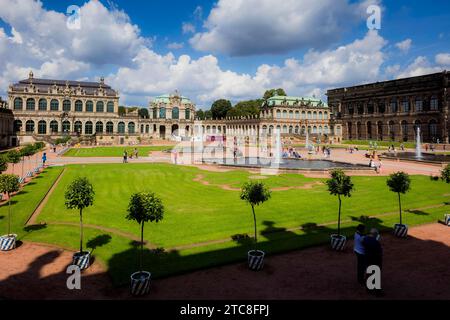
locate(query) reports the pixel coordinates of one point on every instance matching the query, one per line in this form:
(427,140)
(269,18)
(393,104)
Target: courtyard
(206,225)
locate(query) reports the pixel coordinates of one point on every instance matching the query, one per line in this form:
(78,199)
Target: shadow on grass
(99,241)
(35,227)
(418,212)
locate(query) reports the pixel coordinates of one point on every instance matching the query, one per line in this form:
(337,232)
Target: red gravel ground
(416,268)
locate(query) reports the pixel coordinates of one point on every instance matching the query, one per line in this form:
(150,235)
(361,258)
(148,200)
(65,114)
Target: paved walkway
(413,268)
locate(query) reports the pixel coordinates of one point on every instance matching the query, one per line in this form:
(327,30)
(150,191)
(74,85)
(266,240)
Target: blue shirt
(358,246)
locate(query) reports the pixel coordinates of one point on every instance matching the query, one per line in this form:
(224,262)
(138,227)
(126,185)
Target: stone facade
(291,116)
(393,110)
(6,125)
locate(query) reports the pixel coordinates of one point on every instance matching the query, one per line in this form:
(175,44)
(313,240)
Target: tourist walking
(373,251)
(136,154)
(359,250)
(44,158)
(125,156)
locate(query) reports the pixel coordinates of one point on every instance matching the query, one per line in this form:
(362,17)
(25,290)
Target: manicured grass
(199,213)
(25,202)
(112,151)
(410,145)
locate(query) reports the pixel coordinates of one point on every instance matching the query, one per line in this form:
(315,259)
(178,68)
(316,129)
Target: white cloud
(443,59)
(175,45)
(420,66)
(238,27)
(404,45)
(205,81)
(188,28)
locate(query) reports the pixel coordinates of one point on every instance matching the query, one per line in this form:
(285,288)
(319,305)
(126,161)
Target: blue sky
(230,49)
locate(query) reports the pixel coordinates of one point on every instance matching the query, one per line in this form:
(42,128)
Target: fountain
(418,155)
(418,145)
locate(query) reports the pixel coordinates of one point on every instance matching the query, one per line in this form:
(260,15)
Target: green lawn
(410,145)
(198,213)
(112,151)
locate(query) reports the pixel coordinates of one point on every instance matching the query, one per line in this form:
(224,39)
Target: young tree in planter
(80,195)
(9,183)
(399,183)
(26,151)
(255,193)
(144,207)
(13,157)
(340,185)
(3,163)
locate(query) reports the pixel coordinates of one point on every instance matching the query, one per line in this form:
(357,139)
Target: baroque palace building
(40,109)
(393,110)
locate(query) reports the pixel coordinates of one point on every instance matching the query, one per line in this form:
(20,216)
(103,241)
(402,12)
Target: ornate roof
(167,97)
(295,101)
(45,85)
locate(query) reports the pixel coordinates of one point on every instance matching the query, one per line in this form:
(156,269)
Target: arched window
(320,115)
(100,106)
(88,127)
(110,107)
(291,115)
(18,104)
(314,130)
(433,129)
(54,105)
(89,106)
(175,113)
(284,114)
(30,104)
(17,125)
(121,127)
(309,115)
(405,104)
(314,115)
(78,127)
(99,127)
(29,126)
(187,114)
(278,114)
(303,115)
(66,126)
(291,130)
(297,129)
(131,128)
(326,130)
(109,127)
(78,106)
(66,105)
(54,126)
(42,127)
(297,115)
(285,129)
(325,115)
(162,113)
(42,105)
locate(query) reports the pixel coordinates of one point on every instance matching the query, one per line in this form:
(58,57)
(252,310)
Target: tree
(3,163)
(340,185)
(274,92)
(400,183)
(246,108)
(255,193)
(80,195)
(445,175)
(9,184)
(144,207)
(26,151)
(200,114)
(13,157)
(143,113)
(220,108)
(208,115)
(122,111)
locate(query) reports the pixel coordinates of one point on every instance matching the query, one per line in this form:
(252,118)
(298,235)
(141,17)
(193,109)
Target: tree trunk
(13,168)
(339,216)
(142,247)
(400,208)
(9,214)
(81,231)
(254,221)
